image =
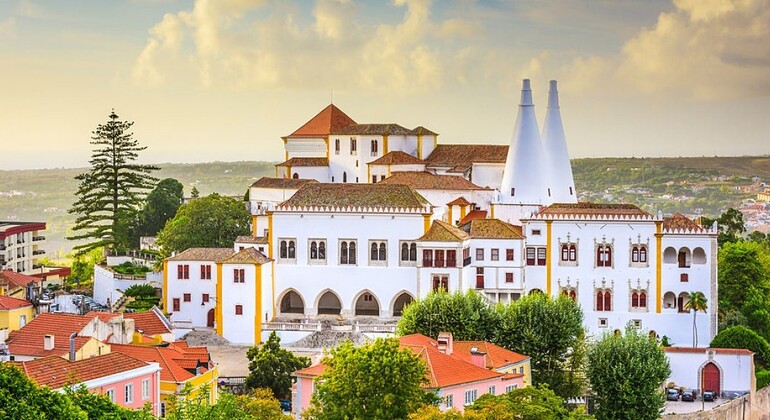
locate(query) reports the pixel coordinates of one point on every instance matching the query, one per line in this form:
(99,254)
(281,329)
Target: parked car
(285,405)
(672,394)
(688,395)
(709,396)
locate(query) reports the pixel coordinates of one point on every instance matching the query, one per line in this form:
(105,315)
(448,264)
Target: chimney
(478,358)
(561,182)
(445,343)
(48,342)
(72,346)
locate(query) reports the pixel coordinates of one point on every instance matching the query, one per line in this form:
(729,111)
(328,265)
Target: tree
(194,193)
(740,337)
(696,302)
(161,205)
(212,221)
(744,285)
(271,367)
(467,316)
(550,331)
(112,190)
(376,381)
(528,403)
(259,404)
(626,372)
(731,226)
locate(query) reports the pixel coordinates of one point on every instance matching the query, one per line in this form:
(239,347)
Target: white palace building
(362,219)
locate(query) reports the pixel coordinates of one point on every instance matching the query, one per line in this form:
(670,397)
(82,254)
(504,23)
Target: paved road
(690,407)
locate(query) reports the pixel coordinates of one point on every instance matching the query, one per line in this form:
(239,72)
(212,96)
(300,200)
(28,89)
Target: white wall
(193,310)
(106,286)
(737,370)
(487,174)
(306,147)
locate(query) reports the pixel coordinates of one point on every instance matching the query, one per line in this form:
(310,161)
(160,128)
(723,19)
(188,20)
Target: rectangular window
(495,254)
(176,304)
(382,177)
(479,277)
(353,146)
(509,254)
(205,298)
(451,258)
(492,390)
(378,252)
(470,396)
(239,275)
(509,277)
(479,254)
(427,258)
(187,297)
(408,252)
(205,272)
(183,271)
(317,249)
(602,322)
(287,249)
(521,369)
(239,309)
(530,255)
(684,277)
(541,256)
(129,393)
(535,232)
(510,388)
(348,252)
(145,389)
(440,283)
(449,401)
(110,394)
(374,179)
(439,258)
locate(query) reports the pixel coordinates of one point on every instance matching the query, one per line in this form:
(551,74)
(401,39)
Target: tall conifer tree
(112,191)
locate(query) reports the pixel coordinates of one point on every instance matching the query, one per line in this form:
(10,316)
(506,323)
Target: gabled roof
(430,181)
(422,131)
(397,157)
(56,372)
(15,279)
(492,229)
(248,255)
(311,371)
(373,129)
(590,209)
(328,120)
(282,183)
(460,201)
(203,254)
(443,232)
(174,360)
(8,303)
(305,161)
(148,322)
(460,157)
(356,195)
(28,341)
(496,356)
(704,350)
(262,240)
(679,221)
(473,215)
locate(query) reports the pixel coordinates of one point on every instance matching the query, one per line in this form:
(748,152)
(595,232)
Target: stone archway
(292,303)
(401,301)
(711,378)
(329,304)
(367,304)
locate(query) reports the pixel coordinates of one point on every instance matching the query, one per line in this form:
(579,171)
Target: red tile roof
(496,356)
(328,120)
(356,195)
(679,221)
(443,232)
(397,157)
(373,130)
(28,341)
(305,161)
(460,201)
(203,254)
(311,371)
(492,229)
(8,303)
(260,240)
(174,360)
(460,157)
(430,181)
(15,279)
(148,322)
(422,131)
(56,372)
(473,215)
(589,209)
(702,350)
(282,183)
(248,255)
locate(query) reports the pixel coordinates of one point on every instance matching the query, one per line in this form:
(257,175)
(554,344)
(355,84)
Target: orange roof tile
(587,209)
(328,120)
(104,316)
(462,156)
(314,370)
(679,221)
(16,279)
(282,183)
(148,322)
(496,356)
(261,240)
(8,303)
(391,129)
(305,161)
(422,131)
(443,232)
(473,215)
(169,359)
(491,229)
(28,341)
(430,181)
(356,195)
(703,350)
(203,254)
(56,372)
(248,255)
(460,201)
(397,157)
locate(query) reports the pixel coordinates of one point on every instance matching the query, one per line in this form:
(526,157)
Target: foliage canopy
(271,366)
(466,315)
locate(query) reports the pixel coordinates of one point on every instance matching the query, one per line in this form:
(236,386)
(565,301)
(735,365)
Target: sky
(223,80)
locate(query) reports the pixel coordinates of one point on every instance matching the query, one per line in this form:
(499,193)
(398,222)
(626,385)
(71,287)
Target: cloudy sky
(209,80)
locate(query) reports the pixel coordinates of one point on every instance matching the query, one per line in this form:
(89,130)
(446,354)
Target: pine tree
(112,191)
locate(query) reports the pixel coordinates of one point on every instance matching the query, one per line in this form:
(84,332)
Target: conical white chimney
(561,182)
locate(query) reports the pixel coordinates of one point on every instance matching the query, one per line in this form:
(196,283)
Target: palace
(362,219)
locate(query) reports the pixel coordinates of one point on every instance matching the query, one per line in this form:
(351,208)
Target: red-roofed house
(14,314)
(127,381)
(18,285)
(459,374)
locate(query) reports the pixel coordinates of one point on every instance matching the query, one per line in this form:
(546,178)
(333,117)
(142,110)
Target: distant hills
(689,184)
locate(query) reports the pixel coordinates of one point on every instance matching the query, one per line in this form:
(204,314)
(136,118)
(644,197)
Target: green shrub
(763,378)
(141,290)
(740,337)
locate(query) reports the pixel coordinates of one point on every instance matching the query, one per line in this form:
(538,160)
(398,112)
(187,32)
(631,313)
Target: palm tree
(696,302)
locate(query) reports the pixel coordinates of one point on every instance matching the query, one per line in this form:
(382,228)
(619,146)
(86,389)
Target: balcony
(38,252)
(38,238)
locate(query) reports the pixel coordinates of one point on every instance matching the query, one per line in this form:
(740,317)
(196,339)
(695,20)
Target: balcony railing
(38,252)
(38,238)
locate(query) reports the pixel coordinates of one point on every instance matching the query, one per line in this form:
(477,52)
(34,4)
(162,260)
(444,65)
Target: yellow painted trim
(435,141)
(272,287)
(492,211)
(166,303)
(270,234)
(419,146)
(388,170)
(276,171)
(368,174)
(658,266)
(385,144)
(218,302)
(451,220)
(258,305)
(288,172)
(426,222)
(326,140)
(462,211)
(548,242)
(287,155)
(254,225)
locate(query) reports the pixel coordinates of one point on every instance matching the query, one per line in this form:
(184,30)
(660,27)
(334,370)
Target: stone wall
(749,407)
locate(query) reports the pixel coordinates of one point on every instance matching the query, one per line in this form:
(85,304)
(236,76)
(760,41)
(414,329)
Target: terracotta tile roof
(305,161)
(422,131)
(430,181)
(460,157)
(148,322)
(397,157)
(496,356)
(460,201)
(492,229)
(587,209)
(104,316)
(312,371)
(28,341)
(248,255)
(703,350)
(473,215)
(356,195)
(679,221)
(373,129)
(15,279)
(328,120)
(8,303)
(251,240)
(169,359)
(282,183)
(203,254)
(56,372)
(443,232)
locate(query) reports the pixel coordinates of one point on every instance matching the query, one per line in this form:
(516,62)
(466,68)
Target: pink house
(459,374)
(128,382)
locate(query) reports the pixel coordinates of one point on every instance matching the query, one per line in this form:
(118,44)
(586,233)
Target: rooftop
(496,356)
(8,303)
(443,232)
(56,372)
(262,240)
(591,209)
(397,157)
(177,362)
(203,254)
(492,229)
(10,228)
(29,340)
(430,181)
(282,183)
(148,322)
(679,221)
(460,201)
(473,215)
(356,195)
(328,120)
(15,279)
(305,161)
(460,157)
(248,255)
(373,129)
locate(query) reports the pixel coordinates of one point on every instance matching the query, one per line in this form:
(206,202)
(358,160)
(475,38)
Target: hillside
(706,185)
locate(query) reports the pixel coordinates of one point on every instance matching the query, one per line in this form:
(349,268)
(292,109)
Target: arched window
(383,251)
(604,255)
(352,256)
(292,250)
(322,251)
(283,252)
(565,252)
(295,176)
(404,252)
(642,300)
(572,252)
(375,147)
(313,250)
(413,252)
(635,300)
(643,254)
(570,293)
(344,253)
(604,300)
(374,255)
(635,254)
